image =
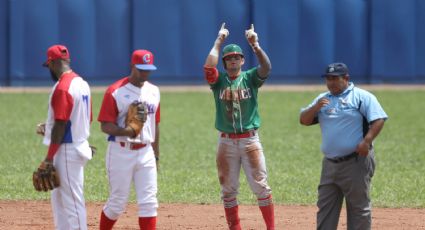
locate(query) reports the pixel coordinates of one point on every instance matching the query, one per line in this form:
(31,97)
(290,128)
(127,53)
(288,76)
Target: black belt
(344,158)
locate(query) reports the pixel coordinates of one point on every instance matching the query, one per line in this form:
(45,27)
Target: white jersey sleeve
(70,101)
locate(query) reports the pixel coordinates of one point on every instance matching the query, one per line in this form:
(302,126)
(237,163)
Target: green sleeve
(257,81)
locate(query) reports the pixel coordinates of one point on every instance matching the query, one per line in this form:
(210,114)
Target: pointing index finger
(252,27)
(223,25)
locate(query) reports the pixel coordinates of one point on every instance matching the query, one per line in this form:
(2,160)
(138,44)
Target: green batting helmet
(232,49)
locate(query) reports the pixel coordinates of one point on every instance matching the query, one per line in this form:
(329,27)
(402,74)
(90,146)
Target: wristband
(255,47)
(53,148)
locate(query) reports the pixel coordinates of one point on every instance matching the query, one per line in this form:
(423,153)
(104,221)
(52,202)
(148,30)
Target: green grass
(188,144)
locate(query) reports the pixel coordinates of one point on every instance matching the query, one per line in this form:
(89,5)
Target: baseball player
(132,156)
(66,131)
(350,118)
(237,120)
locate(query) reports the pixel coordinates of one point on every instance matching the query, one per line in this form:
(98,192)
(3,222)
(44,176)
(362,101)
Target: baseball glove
(45,178)
(41,128)
(136,116)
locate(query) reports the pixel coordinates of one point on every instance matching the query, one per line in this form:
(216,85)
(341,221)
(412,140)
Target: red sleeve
(108,110)
(211,74)
(62,103)
(158,114)
(91,110)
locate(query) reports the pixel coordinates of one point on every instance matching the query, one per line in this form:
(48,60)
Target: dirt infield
(37,215)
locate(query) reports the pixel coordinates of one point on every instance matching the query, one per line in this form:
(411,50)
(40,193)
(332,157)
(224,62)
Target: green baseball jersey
(236,101)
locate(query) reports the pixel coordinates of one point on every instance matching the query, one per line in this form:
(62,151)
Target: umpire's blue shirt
(341,121)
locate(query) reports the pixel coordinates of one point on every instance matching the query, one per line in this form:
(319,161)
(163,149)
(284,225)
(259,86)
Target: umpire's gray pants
(349,179)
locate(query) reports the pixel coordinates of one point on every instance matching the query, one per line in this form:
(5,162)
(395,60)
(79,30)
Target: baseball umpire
(130,115)
(237,120)
(350,118)
(66,131)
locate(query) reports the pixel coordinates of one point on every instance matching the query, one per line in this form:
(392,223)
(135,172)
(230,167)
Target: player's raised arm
(264,61)
(212,58)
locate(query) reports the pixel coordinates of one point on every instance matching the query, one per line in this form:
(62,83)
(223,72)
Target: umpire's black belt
(344,158)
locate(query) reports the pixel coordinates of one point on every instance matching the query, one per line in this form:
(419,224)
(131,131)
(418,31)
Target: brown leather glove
(136,117)
(45,178)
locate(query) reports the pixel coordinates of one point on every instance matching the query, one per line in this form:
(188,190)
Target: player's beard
(53,76)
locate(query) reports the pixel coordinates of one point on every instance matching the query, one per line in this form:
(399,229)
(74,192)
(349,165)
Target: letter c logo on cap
(147,58)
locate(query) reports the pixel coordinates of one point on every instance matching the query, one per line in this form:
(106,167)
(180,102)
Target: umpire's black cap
(336,69)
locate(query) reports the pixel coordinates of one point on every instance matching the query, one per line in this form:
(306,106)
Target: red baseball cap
(56,52)
(143,60)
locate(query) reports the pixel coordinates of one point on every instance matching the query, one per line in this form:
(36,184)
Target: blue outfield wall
(4,60)
(382,41)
